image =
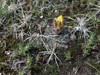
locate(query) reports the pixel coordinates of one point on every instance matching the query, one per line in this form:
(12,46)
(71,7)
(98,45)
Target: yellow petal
(60,18)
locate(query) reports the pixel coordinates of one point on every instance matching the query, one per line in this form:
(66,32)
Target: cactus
(58,24)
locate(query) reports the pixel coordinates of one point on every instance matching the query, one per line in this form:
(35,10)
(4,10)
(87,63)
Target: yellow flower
(58,24)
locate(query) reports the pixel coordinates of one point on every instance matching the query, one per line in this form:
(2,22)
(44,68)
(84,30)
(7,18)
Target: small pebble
(41,17)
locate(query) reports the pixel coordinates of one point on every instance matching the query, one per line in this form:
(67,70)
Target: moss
(36,68)
(3,39)
(96,66)
(12,43)
(2,57)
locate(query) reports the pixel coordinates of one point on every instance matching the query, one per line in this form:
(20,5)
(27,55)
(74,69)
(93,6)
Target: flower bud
(58,24)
